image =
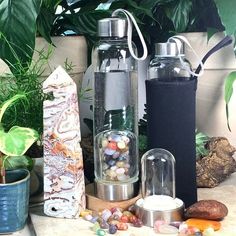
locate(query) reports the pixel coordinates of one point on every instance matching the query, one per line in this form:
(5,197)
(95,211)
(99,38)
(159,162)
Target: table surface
(48,226)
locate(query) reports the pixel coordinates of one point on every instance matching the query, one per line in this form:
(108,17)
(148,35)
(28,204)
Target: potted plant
(14,180)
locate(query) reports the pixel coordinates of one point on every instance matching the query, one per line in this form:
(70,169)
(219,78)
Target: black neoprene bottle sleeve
(171,125)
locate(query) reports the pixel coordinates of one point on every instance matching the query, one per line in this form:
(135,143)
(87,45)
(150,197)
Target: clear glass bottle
(115,113)
(167,66)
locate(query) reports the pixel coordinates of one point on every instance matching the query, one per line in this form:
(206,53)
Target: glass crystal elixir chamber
(115,113)
(158,200)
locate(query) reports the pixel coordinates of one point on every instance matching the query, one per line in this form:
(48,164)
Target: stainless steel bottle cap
(112,27)
(167,49)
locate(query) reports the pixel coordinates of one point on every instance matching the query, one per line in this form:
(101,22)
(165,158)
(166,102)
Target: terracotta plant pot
(14,201)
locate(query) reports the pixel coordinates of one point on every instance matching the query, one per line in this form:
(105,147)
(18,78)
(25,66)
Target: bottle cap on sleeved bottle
(168,49)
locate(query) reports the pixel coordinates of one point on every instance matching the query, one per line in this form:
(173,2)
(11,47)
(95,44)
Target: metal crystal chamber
(115,113)
(158,200)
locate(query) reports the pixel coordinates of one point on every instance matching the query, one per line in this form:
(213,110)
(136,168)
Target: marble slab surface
(48,226)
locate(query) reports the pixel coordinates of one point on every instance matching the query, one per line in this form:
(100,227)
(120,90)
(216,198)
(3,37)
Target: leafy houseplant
(14,143)
(25,80)
(14,183)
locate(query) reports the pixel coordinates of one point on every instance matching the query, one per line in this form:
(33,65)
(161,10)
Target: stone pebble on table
(112,229)
(100,232)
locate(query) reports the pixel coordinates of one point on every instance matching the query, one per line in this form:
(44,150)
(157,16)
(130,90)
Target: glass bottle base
(116,191)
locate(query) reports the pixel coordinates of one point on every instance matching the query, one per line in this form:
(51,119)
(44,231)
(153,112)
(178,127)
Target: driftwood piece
(217,165)
(64,189)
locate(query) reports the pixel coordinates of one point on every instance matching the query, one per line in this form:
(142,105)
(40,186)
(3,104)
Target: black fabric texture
(171,125)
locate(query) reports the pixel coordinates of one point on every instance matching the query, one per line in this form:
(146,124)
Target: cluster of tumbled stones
(115,153)
(109,221)
(190,227)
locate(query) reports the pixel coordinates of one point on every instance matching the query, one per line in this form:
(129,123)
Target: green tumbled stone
(100,232)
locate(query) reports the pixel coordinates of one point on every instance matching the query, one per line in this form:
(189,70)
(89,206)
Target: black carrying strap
(227,40)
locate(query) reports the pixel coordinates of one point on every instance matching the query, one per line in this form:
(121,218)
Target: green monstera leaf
(18,31)
(17,140)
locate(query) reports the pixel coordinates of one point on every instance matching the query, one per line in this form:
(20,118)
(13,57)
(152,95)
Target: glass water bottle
(171,102)
(166,65)
(115,113)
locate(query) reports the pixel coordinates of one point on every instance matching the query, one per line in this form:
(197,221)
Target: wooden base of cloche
(97,204)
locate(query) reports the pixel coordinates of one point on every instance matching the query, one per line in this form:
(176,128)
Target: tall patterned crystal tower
(64,189)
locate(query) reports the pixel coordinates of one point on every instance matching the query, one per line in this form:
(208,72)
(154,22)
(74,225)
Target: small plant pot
(14,201)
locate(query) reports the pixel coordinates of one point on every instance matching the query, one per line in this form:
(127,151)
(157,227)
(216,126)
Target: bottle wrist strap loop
(130,20)
(178,39)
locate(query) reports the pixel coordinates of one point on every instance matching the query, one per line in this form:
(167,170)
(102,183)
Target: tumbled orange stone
(112,145)
(122,226)
(124,219)
(203,224)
